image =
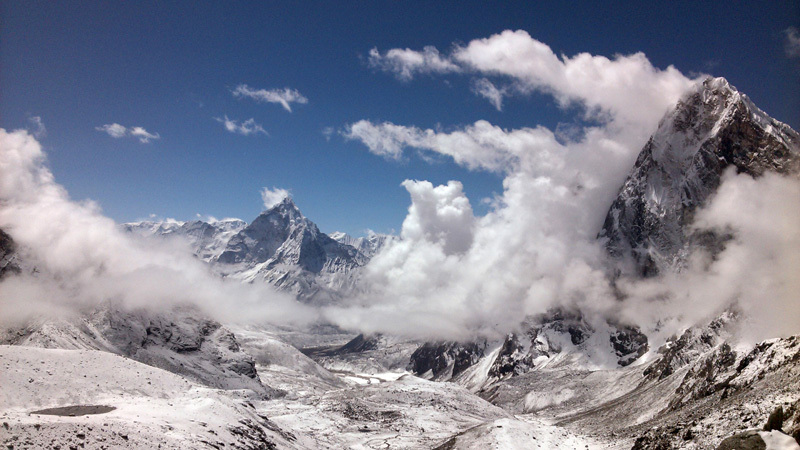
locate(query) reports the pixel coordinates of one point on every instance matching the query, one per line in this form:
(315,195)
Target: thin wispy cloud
(118,131)
(246,128)
(405,63)
(792,42)
(284,97)
(486,89)
(37,127)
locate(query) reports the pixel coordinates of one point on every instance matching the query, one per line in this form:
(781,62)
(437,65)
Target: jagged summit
(712,127)
(368,245)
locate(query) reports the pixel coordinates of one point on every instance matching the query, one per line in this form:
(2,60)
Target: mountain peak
(711,128)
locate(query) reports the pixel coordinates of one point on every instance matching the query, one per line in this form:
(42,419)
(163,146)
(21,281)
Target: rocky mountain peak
(713,127)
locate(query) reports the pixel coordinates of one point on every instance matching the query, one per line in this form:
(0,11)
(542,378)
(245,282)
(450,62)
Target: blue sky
(170,68)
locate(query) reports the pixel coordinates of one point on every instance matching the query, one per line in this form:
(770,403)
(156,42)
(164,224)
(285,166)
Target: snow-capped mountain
(284,248)
(713,127)
(368,245)
(208,239)
(280,246)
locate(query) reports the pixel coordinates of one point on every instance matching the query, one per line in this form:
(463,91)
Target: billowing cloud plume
(283,96)
(792,42)
(246,128)
(272,197)
(117,131)
(82,258)
(537,247)
(405,63)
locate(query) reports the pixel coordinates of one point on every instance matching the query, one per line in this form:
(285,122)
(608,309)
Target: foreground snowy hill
(149,407)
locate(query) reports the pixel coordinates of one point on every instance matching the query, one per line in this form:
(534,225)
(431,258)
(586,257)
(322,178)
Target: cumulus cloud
(272,197)
(792,42)
(82,258)
(283,96)
(405,63)
(118,131)
(453,275)
(246,128)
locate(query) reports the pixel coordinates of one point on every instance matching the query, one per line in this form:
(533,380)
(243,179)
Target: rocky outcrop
(8,255)
(445,360)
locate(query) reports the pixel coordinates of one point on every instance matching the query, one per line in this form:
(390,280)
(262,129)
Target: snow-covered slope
(713,127)
(149,407)
(181,340)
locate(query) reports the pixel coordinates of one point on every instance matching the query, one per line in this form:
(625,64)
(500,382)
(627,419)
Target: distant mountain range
(280,246)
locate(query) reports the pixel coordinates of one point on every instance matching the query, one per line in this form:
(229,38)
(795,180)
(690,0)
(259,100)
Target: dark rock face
(445,359)
(8,255)
(512,359)
(629,344)
(775,420)
(540,339)
(358,344)
(711,129)
(748,440)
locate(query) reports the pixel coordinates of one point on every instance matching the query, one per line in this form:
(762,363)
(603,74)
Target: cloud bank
(453,275)
(83,259)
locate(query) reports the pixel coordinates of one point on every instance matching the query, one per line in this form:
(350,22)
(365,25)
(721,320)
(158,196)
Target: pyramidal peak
(712,127)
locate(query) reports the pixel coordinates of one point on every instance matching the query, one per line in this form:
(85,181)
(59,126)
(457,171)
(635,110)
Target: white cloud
(283,96)
(272,197)
(118,131)
(441,215)
(83,258)
(405,63)
(37,127)
(142,134)
(792,42)
(489,91)
(245,128)
(628,88)
(537,246)
(114,130)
